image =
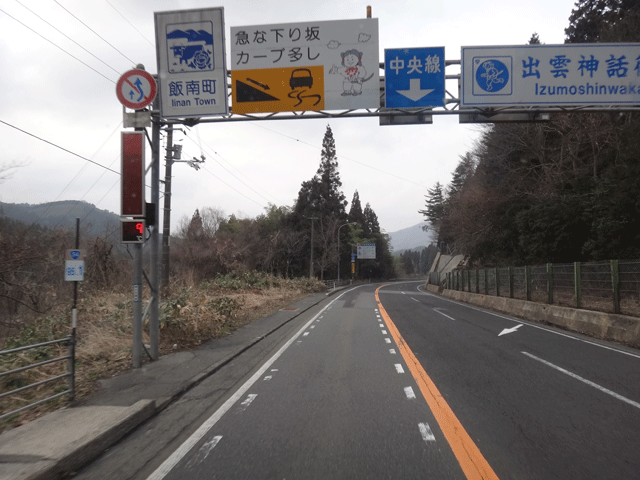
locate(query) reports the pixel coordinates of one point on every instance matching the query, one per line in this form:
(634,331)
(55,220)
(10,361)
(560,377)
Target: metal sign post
(74,272)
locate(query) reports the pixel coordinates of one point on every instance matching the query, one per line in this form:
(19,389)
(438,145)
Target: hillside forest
(563,190)
(284,240)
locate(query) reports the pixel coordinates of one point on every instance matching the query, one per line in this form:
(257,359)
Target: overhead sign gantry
(332,69)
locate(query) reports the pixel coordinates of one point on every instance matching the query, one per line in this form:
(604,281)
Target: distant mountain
(192,36)
(411,238)
(93,221)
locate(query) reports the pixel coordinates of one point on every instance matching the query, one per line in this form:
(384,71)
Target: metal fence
(332,284)
(612,286)
(12,377)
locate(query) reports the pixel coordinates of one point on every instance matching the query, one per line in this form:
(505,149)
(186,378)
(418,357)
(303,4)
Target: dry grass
(190,315)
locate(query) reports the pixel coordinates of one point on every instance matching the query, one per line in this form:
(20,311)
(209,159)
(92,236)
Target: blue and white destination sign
(414,77)
(554,75)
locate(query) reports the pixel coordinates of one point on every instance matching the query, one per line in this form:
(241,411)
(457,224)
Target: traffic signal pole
(154,323)
(136,351)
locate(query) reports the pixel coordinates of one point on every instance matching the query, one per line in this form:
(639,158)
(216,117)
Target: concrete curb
(606,326)
(97,429)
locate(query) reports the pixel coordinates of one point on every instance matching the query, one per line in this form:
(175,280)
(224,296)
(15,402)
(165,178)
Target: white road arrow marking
(414,93)
(509,330)
(204,451)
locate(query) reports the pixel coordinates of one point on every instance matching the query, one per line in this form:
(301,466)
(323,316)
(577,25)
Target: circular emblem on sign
(492,75)
(136,89)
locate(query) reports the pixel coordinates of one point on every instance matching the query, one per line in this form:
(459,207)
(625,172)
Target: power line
(67,36)
(98,35)
(79,171)
(200,141)
(232,188)
(59,147)
(57,46)
(127,20)
(341,156)
(235,176)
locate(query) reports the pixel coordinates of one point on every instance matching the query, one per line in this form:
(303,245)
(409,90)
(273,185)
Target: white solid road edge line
(196,436)
(584,380)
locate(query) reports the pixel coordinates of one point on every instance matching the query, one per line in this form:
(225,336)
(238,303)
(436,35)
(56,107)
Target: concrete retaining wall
(607,326)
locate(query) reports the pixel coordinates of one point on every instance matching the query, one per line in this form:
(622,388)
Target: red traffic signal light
(133,231)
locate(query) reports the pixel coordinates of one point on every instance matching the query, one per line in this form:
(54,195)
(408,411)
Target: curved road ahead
(388,381)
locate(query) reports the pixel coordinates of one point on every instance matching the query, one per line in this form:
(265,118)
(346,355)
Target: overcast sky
(61,60)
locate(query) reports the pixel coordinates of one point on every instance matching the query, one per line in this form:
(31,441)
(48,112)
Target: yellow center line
(473,464)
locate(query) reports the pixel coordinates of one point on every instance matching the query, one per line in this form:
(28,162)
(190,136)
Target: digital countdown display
(133,231)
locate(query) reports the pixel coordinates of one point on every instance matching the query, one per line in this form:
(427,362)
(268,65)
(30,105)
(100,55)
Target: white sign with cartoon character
(344,53)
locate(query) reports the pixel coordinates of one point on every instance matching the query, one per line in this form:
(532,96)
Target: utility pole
(167,208)
(311,260)
(174,155)
(338,244)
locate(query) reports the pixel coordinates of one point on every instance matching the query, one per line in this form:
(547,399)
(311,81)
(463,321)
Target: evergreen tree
(321,200)
(435,207)
(461,175)
(371,225)
(355,212)
(594,21)
(321,196)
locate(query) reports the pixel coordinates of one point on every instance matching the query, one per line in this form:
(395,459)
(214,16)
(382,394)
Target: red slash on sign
(136,89)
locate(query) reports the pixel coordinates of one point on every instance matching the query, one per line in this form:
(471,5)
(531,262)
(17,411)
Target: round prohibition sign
(136,89)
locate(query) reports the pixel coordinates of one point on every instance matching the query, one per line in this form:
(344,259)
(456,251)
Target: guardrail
(70,357)
(612,286)
(332,284)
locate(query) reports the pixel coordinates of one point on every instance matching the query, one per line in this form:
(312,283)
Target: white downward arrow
(509,330)
(415,93)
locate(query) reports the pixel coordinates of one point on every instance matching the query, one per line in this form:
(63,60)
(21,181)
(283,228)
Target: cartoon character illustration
(491,75)
(352,71)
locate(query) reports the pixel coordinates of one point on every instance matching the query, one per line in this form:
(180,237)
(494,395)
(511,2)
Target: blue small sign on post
(414,77)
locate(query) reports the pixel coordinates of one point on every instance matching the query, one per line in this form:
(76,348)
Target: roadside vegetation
(190,313)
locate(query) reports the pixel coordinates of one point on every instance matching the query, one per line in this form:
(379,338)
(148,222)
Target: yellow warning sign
(278,90)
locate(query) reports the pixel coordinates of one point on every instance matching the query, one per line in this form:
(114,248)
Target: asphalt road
(412,386)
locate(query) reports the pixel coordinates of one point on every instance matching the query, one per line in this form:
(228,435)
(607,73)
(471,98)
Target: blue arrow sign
(138,84)
(414,77)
